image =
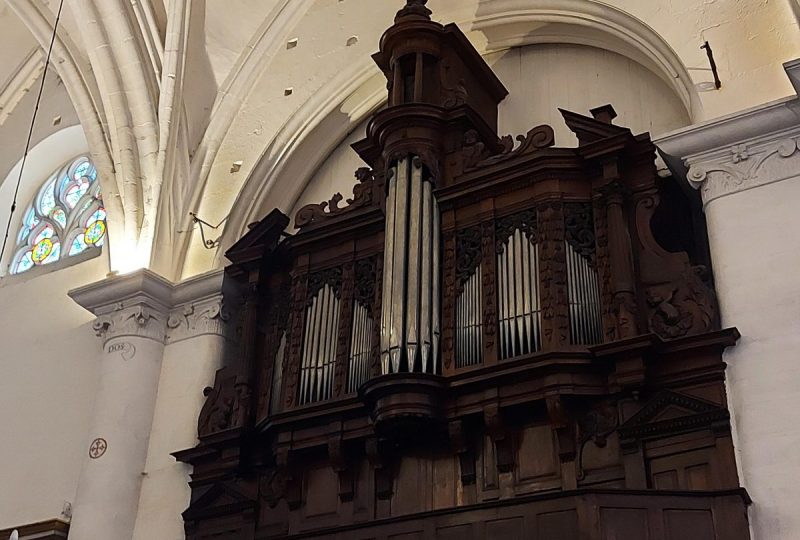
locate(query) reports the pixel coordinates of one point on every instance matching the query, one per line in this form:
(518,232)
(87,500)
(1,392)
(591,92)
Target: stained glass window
(67,209)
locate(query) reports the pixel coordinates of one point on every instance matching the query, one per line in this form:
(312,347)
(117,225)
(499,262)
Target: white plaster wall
(755,248)
(48,377)
(187,367)
(543,78)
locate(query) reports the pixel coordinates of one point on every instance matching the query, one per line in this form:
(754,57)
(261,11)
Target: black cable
(30,131)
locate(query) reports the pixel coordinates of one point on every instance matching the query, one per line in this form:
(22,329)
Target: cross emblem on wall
(98,448)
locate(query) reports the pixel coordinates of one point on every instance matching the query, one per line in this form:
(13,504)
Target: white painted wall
(48,377)
(755,248)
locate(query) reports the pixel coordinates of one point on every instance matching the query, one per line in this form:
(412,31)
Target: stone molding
(143,304)
(749,149)
(746,167)
(205,317)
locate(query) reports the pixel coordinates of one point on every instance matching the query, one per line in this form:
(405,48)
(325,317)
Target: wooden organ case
(485,341)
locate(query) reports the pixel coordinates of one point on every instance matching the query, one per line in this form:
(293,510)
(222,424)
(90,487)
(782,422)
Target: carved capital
(744,166)
(204,317)
(134,320)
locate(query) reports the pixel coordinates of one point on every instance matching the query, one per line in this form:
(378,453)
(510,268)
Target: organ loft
(492,337)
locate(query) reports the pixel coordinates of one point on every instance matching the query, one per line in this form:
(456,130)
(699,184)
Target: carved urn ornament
(486,340)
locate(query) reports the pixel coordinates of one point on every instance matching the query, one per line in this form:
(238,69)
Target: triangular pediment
(669,411)
(588,129)
(262,237)
(219,499)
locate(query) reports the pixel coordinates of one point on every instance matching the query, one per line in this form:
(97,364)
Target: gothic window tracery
(65,218)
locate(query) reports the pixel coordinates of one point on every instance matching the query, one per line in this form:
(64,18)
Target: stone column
(132,312)
(747,168)
(196,343)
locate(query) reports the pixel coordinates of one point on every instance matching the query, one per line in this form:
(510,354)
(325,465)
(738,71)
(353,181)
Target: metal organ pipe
(319,346)
(360,348)
(410,306)
(584,299)
(518,295)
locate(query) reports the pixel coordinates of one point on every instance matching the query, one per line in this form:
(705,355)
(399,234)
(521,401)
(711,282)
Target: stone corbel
(466,456)
(501,437)
(340,462)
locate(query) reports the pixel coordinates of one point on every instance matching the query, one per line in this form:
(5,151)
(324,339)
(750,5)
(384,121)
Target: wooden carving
(536,139)
(362,196)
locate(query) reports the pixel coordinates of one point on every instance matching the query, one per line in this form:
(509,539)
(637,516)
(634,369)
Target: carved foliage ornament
(468,253)
(579,225)
(525,221)
(198,318)
(366,272)
(747,168)
(682,307)
(362,196)
(331,277)
(138,320)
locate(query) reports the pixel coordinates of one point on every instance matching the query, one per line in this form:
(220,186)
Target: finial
(414,8)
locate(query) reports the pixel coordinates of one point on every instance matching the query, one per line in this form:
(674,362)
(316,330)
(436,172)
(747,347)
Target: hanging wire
(30,130)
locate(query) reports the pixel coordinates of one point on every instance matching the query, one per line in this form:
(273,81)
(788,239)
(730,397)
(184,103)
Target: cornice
(742,151)
(144,304)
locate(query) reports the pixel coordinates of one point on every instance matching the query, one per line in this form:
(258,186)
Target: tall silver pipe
(388,265)
(414,246)
(427,279)
(411,306)
(397,338)
(436,293)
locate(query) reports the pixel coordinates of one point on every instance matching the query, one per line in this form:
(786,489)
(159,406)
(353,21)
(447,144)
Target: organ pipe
(469,326)
(584,299)
(360,348)
(410,308)
(319,346)
(519,306)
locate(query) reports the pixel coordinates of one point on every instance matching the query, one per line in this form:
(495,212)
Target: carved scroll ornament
(362,196)
(536,139)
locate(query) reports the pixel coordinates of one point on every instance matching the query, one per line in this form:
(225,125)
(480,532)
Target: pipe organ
(582,279)
(485,341)
(320,340)
(410,311)
(518,285)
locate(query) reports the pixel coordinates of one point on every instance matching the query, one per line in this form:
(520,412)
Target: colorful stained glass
(78,245)
(42,250)
(75,192)
(25,263)
(47,201)
(94,232)
(84,169)
(31,220)
(70,205)
(59,216)
(46,232)
(55,253)
(99,215)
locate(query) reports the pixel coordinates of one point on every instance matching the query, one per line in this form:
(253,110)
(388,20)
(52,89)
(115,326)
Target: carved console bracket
(501,437)
(466,455)
(337,454)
